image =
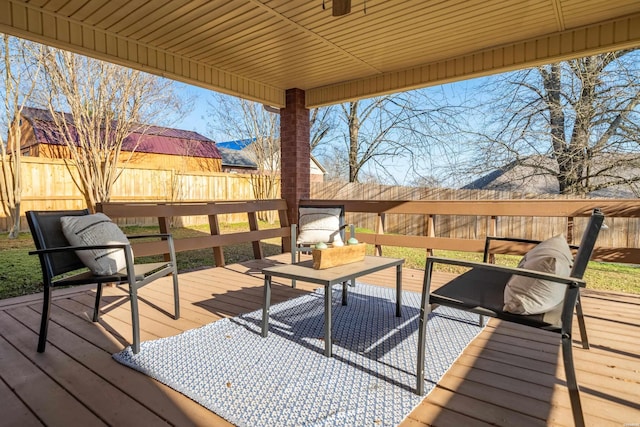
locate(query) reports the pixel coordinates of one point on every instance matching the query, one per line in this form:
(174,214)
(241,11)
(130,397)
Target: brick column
(295,151)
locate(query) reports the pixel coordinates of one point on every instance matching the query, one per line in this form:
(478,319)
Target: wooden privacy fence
(539,219)
(50,184)
(162,213)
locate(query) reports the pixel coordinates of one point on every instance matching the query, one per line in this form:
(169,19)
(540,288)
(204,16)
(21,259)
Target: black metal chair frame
(57,258)
(450,295)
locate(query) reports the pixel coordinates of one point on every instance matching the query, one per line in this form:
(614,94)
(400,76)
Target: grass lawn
(20,273)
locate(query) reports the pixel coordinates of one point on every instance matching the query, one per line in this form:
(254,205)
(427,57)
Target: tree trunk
(15,229)
(354,128)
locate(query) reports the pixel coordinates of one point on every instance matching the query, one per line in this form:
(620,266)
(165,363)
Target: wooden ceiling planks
(266,46)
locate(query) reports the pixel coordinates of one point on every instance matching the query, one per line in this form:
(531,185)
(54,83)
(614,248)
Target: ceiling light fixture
(342,7)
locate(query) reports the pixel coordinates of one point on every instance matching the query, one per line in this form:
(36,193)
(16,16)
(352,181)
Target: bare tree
(259,128)
(399,128)
(106,102)
(322,121)
(349,136)
(16,70)
(577,121)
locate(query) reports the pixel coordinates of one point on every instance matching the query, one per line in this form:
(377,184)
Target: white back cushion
(527,295)
(319,225)
(96,229)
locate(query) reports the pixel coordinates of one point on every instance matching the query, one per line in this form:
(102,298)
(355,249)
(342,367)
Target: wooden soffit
(256,49)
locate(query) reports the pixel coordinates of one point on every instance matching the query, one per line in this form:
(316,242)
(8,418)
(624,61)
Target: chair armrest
(566,280)
(144,236)
(167,237)
(512,239)
(79,248)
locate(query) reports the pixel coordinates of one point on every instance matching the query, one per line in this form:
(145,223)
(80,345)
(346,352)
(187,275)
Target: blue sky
(199,99)
(195,119)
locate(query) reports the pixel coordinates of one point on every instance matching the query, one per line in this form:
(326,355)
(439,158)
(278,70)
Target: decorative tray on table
(334,256)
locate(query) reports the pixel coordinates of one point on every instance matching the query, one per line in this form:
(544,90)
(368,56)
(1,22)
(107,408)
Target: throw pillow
(319,225)
(527,295)
(96,229)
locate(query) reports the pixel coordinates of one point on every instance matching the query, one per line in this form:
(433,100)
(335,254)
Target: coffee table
(304,271)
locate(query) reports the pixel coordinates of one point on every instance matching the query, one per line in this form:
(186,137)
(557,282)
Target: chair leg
(44,321)
(176,294)
(572,383)
(581,324)
(425,309)
(96,308)
(135,324)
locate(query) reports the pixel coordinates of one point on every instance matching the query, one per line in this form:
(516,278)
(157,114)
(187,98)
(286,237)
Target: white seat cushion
(527,295)
(96,229)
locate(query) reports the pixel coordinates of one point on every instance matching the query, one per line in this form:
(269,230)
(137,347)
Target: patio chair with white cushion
(68,241)
(542,292)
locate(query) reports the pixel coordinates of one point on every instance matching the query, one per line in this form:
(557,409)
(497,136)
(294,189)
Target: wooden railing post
(214,227)
(493,226)
(431,231)
(284,222)
(379,230)
(164,226)
(253,226)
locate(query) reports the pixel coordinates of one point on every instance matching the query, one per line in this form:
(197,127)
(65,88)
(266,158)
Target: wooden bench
(164,212)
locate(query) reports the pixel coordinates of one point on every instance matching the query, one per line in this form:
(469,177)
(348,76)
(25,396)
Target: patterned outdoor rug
(285,380)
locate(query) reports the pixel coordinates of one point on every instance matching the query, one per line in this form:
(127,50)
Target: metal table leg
(399,290)
(344,293)
(265,307)
(328,351)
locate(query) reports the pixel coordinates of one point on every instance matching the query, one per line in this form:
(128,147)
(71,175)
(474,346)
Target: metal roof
(257,49)
(150,139)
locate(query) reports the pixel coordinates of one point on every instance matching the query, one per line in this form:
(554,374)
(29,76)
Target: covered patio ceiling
(257,49)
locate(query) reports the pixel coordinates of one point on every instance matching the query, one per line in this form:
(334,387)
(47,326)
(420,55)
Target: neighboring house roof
(236,158)
(519,177)
(316,166)
(241,144)
(145,139)
(236,145)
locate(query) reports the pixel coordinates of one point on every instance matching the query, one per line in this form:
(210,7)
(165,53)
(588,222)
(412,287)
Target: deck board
(509,375)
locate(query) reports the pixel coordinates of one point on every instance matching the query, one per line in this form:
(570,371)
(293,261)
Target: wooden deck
(508,376)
